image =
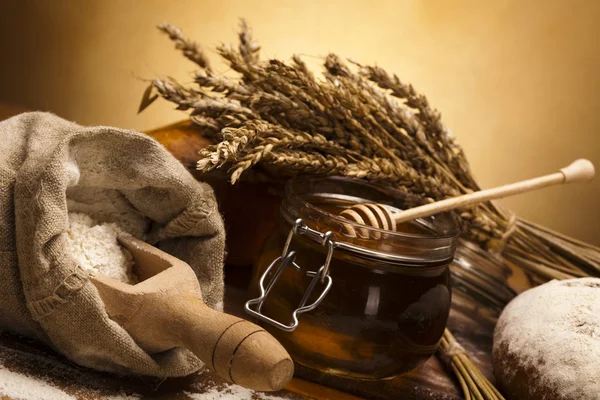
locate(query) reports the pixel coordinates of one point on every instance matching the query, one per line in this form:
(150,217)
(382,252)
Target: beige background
(517,81)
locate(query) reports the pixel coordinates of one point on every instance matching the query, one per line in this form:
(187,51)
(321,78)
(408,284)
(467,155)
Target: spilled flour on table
(231,392)
(23,387)
(37,373)
(33,373)
(227,391)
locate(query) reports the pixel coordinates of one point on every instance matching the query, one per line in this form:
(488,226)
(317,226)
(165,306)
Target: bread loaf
(547,342)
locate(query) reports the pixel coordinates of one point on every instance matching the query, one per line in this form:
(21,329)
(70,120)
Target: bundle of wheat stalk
(472,382)
(357,121)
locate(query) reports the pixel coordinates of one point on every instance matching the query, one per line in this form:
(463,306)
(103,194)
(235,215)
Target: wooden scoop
(165,310)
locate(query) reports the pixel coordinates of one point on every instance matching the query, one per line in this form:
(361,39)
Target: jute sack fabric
(48,167)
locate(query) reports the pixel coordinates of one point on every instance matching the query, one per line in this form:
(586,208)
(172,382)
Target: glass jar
(378,309)
(480,288)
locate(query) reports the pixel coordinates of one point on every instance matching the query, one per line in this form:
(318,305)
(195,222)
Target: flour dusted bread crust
(547,342)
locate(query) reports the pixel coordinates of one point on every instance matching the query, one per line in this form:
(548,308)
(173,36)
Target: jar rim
(438,243)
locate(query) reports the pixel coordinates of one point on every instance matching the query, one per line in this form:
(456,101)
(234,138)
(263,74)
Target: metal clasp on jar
(288,258)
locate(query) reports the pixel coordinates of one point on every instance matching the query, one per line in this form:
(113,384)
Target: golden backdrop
(518,82)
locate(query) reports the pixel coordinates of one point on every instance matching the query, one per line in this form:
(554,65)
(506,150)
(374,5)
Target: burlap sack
(49,166)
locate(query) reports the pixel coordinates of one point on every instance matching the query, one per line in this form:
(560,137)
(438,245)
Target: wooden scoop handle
(238,350)
(165,310)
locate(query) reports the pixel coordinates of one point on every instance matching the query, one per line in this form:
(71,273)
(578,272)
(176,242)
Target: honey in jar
(386,297)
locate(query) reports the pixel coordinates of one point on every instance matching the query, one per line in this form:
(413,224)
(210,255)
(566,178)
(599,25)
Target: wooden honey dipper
(165,310)
(378,216)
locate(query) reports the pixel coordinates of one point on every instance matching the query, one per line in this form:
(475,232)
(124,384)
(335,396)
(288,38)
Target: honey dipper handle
(581,170)
(578,171)
(238,350)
